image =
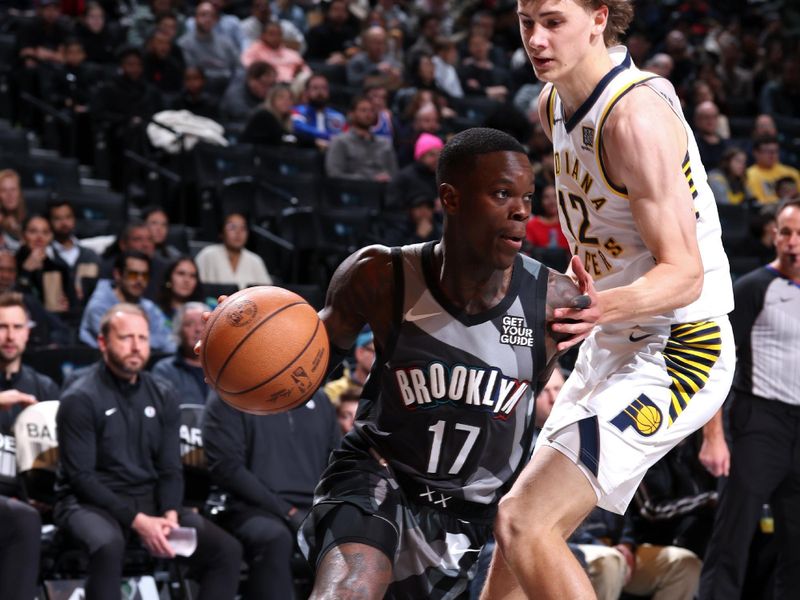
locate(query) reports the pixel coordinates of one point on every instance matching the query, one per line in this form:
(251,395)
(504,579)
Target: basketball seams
(232,352)
(289,364)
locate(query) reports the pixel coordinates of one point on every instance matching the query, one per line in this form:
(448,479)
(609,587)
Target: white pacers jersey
(638,388)
(595,213)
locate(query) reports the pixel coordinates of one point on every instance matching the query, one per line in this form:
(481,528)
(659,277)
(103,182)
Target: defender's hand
(578,321)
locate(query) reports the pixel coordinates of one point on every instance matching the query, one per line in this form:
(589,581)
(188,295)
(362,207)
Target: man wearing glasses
(131,275)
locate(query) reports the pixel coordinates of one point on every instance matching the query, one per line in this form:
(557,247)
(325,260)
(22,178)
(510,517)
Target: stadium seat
(287,160)
(50,172)
(347,193)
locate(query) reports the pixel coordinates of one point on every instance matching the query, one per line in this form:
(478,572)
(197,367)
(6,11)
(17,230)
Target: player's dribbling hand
(206,316)
(579,320)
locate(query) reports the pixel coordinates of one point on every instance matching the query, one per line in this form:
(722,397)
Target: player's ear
(600,19)
(449,197)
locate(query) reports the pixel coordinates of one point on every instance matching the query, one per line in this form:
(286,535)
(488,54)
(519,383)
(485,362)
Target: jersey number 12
(436,447)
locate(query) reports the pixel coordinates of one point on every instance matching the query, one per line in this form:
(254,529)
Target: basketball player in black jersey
(466,331)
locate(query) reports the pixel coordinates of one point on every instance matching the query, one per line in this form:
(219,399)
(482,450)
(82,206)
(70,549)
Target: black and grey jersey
(449,402)
(766,326)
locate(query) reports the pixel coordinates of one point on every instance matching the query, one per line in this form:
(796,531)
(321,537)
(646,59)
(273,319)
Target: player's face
(126,349)
(14,333)
(496,205)
(787,241)
(556,34)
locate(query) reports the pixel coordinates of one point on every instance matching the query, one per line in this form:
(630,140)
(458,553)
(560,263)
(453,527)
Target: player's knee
(510,524)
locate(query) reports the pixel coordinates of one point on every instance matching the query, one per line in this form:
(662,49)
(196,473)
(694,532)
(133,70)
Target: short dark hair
(764,140)
(57,203)
(152,209)
(231,214)
(315,76)
(127,51)
(122,259)
(10,299)
(259,69)
(459,154)
(358,99)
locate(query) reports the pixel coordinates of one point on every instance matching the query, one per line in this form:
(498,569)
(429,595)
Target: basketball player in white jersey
(635,206)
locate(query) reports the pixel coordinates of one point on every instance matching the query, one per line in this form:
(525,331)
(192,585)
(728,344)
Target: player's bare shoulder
(360,292)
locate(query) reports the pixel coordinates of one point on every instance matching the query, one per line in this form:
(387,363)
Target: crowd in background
(343,92)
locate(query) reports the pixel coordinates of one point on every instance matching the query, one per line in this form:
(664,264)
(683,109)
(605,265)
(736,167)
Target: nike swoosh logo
(110,411)
(639,338)
(411,317)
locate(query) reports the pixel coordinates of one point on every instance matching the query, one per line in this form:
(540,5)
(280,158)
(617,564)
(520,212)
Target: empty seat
(50,172)
(13,141)
(287,160)
(346,193)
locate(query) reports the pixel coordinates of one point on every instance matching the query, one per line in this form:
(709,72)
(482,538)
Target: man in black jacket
(120,468)
(20,386)
(269,465)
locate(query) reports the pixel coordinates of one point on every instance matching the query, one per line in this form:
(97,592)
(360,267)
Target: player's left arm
(644,145)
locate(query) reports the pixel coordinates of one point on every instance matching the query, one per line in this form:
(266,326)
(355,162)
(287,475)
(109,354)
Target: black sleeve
(168,461)
(225,442)
(77,448)
(748,294)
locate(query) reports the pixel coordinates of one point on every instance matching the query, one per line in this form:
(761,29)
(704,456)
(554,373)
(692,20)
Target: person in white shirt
(230,262)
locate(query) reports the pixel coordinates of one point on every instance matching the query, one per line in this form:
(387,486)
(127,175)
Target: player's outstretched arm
(644,146)
(360,293)
(572,310)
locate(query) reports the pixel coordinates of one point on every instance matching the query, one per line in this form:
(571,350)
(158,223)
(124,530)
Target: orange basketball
(264,350)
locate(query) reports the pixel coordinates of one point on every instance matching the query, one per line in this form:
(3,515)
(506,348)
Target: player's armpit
(360,293)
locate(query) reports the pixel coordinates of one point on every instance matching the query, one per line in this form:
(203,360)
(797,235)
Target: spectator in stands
(183,370)
(193,96)
(782,97)
(146,17)
(445,67)
(315,122)
(272,125)
(72,88)
(347,407)
(230,262)
(660,64)
(99,38)
(204,47)
(736,80)
(225,26)
(417,180)
(39,274)
(247,92)
(289,10)
(728,181)
(268,465)
(709,143)
(374,59)
(786,188)
(120,466)
(46,328)
(135,235)
(358,153)
(364,357)
(479,75)
(131,274)
(330,40)
(261,14)
(764,174)
(430,29)
(157,222)
(677,46)
(618,560)
(66,249)
(161,66)
(270,48)
(12,208)
(123,107)
(423,223)
(181,285)
(41,39)
(421,77)
(377,93)
(544,230)
(20,523)
(425,119)
(765,439)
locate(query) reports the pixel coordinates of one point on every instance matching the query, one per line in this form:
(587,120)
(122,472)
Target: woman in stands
(181,285)
(38,273)
(12,204)
(272,124)
(728,181)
